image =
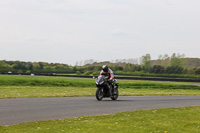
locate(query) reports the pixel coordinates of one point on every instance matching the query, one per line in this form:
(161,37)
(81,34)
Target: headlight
(101,82)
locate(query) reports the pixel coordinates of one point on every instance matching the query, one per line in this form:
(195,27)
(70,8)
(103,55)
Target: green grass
(26,80)
(38,91)
(19,86)
(184,120)
(192,76)
(172,120)
(19,80)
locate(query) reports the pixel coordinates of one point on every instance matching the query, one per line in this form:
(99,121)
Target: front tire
(99,94)
(115,94)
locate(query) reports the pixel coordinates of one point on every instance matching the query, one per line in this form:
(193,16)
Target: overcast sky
(66,31)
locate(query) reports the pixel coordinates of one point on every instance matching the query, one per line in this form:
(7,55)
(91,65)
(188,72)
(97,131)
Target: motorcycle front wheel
(115,95)
(99,94)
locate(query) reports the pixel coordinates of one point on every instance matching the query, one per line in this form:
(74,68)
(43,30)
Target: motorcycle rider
(108,72)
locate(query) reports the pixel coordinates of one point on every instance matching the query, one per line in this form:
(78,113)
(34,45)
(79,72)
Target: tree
(160,57)
(78,72)
(95,73)
(174,70)
(176,59)
(41,65)
(166,56)
(28,72)
(87,73)
(138,68)
(4,67)
(127,68)
(29,66)
(158,69)
(197,71)
(146,62)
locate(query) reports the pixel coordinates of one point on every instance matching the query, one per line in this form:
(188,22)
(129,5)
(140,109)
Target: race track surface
(13,111)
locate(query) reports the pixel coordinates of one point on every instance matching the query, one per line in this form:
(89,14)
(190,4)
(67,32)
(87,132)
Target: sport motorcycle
(106,88)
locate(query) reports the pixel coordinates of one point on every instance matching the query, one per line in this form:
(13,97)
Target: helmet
(105,68)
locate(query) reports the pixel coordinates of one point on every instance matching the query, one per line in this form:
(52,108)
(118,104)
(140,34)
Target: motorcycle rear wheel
(99,94)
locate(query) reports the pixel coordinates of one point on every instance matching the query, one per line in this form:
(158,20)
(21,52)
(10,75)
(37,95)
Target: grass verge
(25,80)
(171,120)
(18,86)
(38,91)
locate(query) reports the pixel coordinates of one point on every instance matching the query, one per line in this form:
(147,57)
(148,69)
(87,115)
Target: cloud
(121,2)
(119,32)
(84,27)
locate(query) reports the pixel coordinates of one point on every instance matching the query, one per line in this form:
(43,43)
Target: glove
(110,81)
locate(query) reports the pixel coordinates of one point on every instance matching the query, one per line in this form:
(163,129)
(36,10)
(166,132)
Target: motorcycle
(106,88)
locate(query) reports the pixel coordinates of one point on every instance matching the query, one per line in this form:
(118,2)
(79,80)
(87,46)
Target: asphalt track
(19,110)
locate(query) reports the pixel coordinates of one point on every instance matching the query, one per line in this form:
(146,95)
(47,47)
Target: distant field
(15,86)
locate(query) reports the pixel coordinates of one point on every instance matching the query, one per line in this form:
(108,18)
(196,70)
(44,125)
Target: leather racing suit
(109,73)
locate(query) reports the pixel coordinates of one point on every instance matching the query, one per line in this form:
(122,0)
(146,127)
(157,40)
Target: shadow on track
(109,100)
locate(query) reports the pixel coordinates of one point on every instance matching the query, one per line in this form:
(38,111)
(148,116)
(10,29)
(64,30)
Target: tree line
(174,64)
(34,67)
